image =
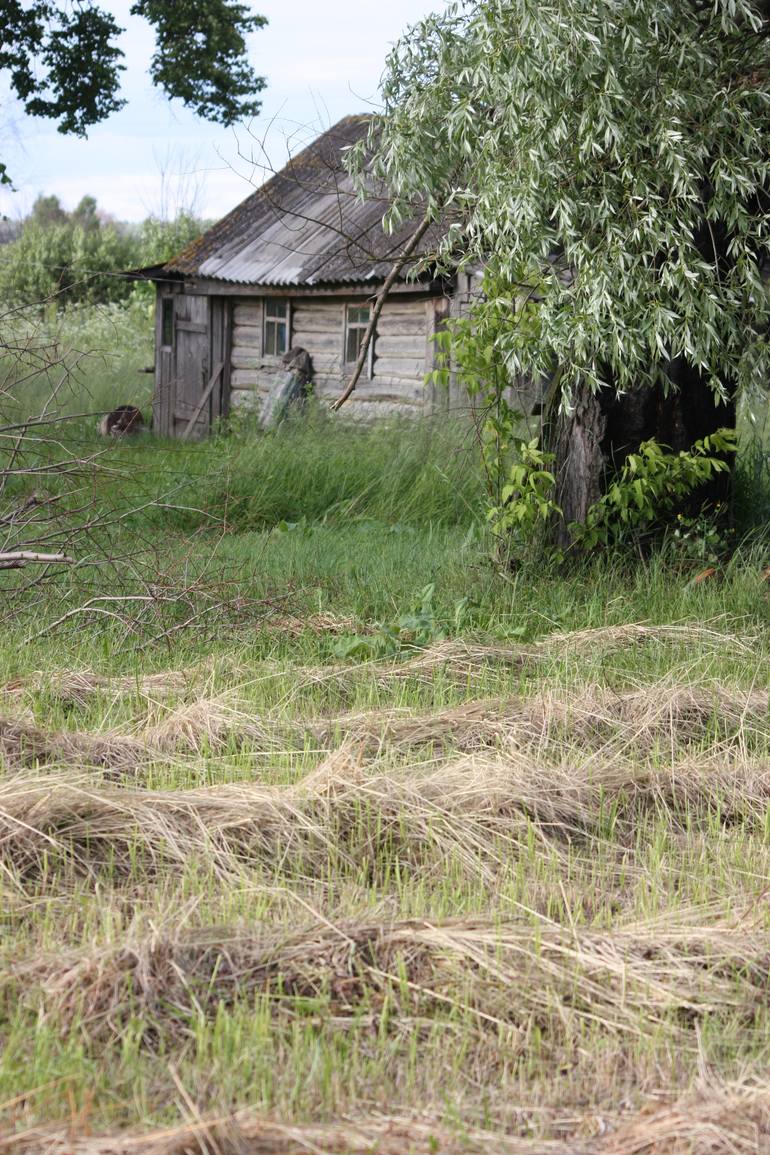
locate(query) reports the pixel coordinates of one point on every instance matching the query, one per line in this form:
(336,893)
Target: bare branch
(18,558)
(379,303)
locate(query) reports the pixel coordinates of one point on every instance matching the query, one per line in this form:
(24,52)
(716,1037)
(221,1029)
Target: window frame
(167,316)
(358,327)
(273,323)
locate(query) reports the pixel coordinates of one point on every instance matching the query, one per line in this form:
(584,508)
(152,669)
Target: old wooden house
(297,265)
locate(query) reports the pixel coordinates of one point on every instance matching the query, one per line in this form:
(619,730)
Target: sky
(322,60)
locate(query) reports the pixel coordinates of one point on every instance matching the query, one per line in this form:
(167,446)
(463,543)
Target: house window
(276,334)
(167,322)
(356,322)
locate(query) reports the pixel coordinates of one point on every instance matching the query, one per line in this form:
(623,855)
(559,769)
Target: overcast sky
(322,59)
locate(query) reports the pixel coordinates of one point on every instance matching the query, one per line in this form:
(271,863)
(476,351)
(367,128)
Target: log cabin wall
(402,354)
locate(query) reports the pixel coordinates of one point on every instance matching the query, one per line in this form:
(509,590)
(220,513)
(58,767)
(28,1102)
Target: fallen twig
(19,558)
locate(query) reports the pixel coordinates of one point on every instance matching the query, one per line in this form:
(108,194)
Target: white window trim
(287,302)
(347,366)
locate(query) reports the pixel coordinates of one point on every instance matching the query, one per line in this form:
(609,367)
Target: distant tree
(47,210)
(63,62)
(67,261)
(85,213)
(79,256)
(159,239)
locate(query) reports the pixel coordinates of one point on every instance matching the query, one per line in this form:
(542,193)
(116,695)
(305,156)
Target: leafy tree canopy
(64,64)
(608,160)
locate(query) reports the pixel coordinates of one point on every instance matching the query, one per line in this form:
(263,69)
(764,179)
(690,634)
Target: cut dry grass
(348,807)
(714,1119)
(640,979)
(24,744)
(332,811)
(78,687)
(592,718)
(458,659)
(473,865)
(664,718)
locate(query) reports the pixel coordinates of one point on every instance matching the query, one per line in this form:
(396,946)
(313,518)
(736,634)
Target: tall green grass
(319,467)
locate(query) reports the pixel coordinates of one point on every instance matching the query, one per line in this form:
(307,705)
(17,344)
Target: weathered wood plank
(396,308)
(401,346)
(326,365)
(400,367)
(325,319)
(245,358)
(250,335)
(396,396)
(247,314)
(316,342)
(409,390)
(251,378)
(409,325)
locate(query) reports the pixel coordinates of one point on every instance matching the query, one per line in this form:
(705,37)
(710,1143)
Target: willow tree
(608,160)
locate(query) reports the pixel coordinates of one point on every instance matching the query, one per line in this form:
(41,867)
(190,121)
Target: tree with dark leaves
(64,64)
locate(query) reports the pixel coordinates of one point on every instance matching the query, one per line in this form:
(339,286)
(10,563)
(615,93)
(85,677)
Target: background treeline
(77,256)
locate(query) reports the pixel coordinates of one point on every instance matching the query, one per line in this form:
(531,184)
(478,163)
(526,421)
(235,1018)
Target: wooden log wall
(403,352)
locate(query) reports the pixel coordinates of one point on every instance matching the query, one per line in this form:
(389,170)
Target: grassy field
(318,833)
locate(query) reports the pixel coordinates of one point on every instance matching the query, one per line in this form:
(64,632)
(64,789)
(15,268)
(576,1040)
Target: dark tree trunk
(592,442)
(577,440)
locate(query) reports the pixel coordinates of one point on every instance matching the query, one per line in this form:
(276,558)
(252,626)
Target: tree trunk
(577,441)
(593,440)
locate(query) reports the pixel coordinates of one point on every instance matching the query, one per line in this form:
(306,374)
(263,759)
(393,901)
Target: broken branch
(382,296)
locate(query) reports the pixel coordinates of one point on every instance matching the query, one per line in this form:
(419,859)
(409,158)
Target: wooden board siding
(318,327)
(399,366)
(192,364)
(251,374)
(199,340)
(401,356)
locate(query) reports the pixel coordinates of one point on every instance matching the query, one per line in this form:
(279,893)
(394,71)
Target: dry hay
(639,980)
(328,810)
(713,1119)
(608,638)
(204,724)
(592,718)
(464,659)
(475,810)
(23,744)
(294,625)
(78,687)
(662,719)
(213,723)
(458,659)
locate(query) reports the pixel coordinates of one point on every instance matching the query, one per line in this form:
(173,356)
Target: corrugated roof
(305,226)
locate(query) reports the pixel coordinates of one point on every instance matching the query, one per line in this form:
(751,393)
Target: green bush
(79,258)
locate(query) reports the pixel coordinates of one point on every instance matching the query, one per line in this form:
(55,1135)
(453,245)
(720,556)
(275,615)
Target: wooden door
(192,365)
